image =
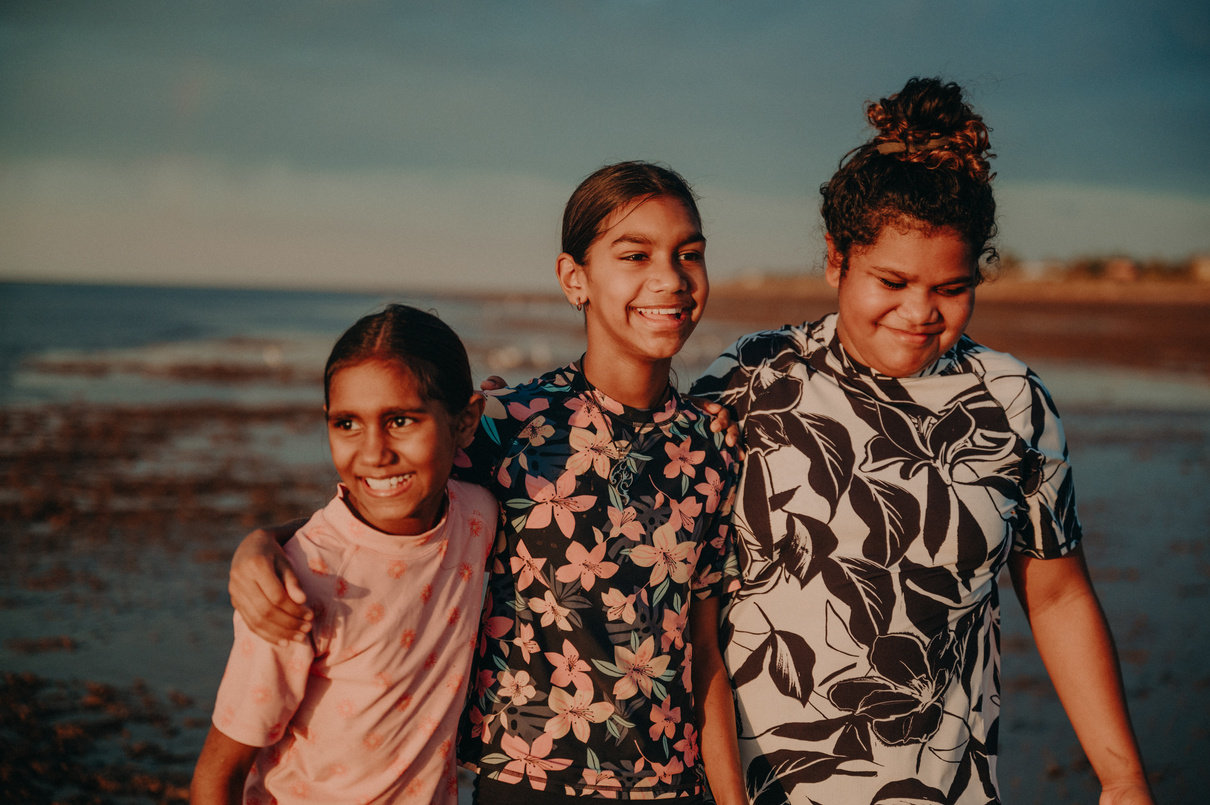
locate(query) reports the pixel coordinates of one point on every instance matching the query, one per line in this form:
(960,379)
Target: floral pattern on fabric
(873,518)
(616,520)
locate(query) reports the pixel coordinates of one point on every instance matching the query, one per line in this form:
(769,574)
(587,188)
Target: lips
(678,313)
(386,484)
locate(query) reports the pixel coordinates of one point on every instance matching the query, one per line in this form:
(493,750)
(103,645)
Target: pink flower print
(536,431)
(639,668)
(476,719)
(475,525)
(586,411)
(586,565)
(426,594)
(466,572)
(405,701)
(621,607)
(688,746)
(483,680)
(664,718)
(318,566)
(625,523)
(683,512)
(455,614)
(551,611)
(431,660)
(665,556)
(674,627)
(681,459)
(521,412)
(260,694)
(601,783)
(529,762)
(345,708)
(669,770)
(408,638)
(397,568)
(525,567)
(342,587)
(517,689)
(372,741)
(712,487)
(592,449)
(375,613)
(576,713)
(525,640)
(555,500)
(383,680)
(569,667)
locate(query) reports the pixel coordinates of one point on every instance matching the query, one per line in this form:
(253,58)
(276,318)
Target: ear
(468,420)
(835,263)
(571,279)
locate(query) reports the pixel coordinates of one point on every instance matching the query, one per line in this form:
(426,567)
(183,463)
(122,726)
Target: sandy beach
(117,520)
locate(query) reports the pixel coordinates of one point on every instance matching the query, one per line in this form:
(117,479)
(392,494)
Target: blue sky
(432,144)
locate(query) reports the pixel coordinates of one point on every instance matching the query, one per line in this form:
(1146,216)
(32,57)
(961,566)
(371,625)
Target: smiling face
(643,285)
(905,300)
(392,446)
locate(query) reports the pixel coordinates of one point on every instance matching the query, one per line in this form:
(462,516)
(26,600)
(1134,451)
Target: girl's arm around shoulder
(221,771)
(1077,648)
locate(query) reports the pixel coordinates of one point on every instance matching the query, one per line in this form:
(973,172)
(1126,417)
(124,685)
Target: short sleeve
(1046,525)
(717,570)
(726,380)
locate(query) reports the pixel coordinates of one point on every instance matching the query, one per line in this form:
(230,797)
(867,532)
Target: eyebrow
(646,241)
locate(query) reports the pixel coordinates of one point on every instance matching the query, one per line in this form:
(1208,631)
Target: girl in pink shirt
(365,710)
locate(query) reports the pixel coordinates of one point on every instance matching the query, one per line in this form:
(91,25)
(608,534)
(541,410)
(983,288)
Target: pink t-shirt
(366,710)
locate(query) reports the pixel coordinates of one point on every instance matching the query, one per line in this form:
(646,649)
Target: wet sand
(117,521)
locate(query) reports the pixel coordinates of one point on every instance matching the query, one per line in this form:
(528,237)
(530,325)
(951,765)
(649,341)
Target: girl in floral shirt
(598,667)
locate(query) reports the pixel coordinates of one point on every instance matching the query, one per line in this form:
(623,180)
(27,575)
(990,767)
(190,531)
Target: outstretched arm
(222,770)
(1077,648)
(264,589)
(715,708)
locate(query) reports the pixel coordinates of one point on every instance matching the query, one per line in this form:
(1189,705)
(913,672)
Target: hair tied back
(912,148)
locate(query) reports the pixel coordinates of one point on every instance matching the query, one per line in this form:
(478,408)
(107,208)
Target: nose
(918,307)
(668,275)
(375,448)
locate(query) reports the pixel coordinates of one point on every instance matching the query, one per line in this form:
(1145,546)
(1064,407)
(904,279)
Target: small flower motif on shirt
(688,746)
(345,708)
(664,718)
(517,689)
(575,712)
(342,587)
(555,500)
(525,641)
(675,621)
(639,670)
(667,771)
(426,594)
(383,680)
(683,513)
(431,660)
(408,638)
(682,460)
(372,741)
(665,556)
(466,572)
(569,667)
(595,449)
(621,607)
(524,567)
(318,566)
(375,613)
(475,525)
(397,568)
(587,412)
(625,523)
(531,762)
(453,682)
(455,614)
(585,565)
(551,611)
(711,486)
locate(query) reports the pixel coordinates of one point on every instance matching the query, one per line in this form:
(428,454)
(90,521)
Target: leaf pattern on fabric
(873,517)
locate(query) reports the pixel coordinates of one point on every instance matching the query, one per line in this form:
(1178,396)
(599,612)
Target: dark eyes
(944,290)
(400,421)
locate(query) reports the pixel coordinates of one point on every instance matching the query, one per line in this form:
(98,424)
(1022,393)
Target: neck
(638,384)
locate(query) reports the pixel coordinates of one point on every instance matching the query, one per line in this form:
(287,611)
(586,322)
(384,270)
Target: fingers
(493,383)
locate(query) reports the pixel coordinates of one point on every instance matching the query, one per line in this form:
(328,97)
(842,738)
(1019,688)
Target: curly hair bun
(929,121)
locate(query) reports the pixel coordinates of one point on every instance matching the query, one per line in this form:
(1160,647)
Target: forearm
(221,772)
(1076,645)
(715,707)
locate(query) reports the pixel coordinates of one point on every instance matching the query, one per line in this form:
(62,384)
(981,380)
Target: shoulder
(764,351)
(521,402)
(1007,378)
(471,498)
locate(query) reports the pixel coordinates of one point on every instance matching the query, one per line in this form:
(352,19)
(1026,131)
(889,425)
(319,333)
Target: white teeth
(660,311)
(385,484)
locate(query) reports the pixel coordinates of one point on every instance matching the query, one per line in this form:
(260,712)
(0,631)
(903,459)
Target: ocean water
(148,606)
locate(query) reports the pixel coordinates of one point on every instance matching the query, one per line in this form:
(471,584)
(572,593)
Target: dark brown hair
(926,168)
(416,340)
(611,187)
